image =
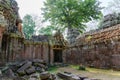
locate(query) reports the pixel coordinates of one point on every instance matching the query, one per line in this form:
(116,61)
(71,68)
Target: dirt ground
(93,73)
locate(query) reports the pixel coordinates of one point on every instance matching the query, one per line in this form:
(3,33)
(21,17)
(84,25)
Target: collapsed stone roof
(105,35)
(42,38)
(56,39)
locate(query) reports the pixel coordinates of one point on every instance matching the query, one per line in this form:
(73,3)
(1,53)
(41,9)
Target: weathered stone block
(44,75)
(38,61)
(35,75)
(75,78)
(30,70)
(22,69)
(64,76)
(38,69)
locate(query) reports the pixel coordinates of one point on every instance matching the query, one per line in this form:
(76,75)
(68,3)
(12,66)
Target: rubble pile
(28,70)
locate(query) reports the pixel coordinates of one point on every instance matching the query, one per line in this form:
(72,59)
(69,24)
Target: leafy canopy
(47,30)
(71,13)
(28,26)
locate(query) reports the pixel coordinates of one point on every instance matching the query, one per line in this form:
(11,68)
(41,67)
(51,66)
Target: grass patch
(74,66)
(55,69)
(52,69)
(95,70)
(78,67)
(103,71)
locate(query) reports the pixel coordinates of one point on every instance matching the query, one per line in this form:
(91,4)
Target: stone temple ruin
(15,47)
(99,49)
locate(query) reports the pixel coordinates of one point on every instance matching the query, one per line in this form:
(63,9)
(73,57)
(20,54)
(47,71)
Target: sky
(29,7)
(34,6)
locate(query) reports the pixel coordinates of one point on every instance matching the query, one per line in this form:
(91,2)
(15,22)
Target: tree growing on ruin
(71,13)
(28,26)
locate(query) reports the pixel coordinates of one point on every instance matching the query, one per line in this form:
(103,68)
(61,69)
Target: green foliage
(71,13)
(47,30)
(81,67)
(52,69)
(28,26)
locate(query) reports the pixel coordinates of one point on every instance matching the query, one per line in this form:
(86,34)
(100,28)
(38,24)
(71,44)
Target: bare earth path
(93,73)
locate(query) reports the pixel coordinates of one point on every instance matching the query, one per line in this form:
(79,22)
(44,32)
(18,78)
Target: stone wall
(16,48)
(100,49)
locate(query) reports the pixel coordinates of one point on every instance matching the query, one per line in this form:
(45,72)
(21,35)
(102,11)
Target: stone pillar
(2,29)
(3,23)
(51,56)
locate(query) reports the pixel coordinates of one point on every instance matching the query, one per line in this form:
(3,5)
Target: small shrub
(81,67)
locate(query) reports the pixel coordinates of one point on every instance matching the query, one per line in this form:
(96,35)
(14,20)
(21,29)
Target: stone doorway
(58,56)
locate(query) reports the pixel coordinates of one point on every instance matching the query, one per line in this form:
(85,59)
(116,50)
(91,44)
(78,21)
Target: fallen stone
(38,61)
(10,73)
(67,72)
(25,77)
(75,78)
(83,77)
(40,65)
(38,69)
(64,76)
(33,79)
(44,75)
(30,70)
(22,63)
(35,75)
(21,70)
(53,77)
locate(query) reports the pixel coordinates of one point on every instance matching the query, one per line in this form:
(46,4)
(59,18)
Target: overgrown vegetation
(71,13)
(53,69)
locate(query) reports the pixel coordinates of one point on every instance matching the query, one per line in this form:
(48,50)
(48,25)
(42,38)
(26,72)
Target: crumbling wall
(12,47)
(9,9)
(15,48)
(8,16)
(100,49)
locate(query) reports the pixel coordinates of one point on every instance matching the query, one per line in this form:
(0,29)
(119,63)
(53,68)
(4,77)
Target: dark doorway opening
(58,56)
